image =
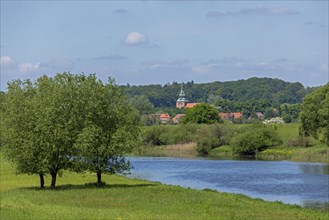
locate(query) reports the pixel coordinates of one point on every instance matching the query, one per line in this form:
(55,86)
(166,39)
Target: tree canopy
(202,114)
(52,122)
(274,91)
(315,114)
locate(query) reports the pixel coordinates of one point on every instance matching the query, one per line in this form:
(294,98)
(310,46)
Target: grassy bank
(292,148)
(77,198)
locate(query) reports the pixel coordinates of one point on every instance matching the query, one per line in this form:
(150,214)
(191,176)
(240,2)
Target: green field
(77,197)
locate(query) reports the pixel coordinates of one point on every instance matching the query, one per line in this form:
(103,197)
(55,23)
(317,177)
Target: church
(183,102)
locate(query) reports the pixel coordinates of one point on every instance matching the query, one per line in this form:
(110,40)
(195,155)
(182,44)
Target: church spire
(181,94)
(182,100)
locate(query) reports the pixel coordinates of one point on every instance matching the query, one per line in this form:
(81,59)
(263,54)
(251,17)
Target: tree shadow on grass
(92,185)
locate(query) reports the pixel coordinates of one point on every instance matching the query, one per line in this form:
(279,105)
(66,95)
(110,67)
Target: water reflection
(309,168)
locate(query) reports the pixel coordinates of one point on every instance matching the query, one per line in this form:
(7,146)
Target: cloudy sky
(144,42)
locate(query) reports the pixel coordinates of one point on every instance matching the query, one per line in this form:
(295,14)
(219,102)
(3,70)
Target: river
(305,184)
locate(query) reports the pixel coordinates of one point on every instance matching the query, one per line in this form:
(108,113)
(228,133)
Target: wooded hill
(271,92)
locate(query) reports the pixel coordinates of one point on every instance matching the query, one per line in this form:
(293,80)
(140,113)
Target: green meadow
(77,197)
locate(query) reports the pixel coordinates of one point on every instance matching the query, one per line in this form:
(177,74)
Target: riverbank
(318,153)
(292,148)
(78,198)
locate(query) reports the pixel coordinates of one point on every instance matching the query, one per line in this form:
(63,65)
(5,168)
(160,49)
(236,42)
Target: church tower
(182,100)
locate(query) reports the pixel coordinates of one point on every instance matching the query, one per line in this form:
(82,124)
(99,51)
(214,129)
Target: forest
(273,97)
(274,91)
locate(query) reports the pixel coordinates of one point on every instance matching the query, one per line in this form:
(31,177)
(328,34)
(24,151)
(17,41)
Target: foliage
(242,95)
(202,114)
(110,128)
(44,121)
(142,104)
(22,130)
(168,134)
(255,139)
(290,112)
(315,114)
(212,136)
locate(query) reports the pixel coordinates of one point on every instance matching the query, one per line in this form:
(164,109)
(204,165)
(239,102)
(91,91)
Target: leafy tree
(44,122)
(315,114)
(255,139)
(142,104)
(23,144)
(202,114)
(110,128)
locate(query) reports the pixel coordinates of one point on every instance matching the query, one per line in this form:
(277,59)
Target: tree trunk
(99,179)
(53,179)
(42,181)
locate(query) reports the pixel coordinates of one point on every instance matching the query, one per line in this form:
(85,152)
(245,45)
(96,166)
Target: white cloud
(6,61)
(135,38)
(28,67)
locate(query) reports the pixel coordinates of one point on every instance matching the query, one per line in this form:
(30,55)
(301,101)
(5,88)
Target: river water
(305,184)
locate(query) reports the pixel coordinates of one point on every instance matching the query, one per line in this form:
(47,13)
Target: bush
(179,134)
(151,135)
(158,135)
(212,136)
(299,142)
(255,139)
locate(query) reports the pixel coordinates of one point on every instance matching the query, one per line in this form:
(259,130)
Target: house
(177,118)
(191,105)
(232,115)
(260,115)
(165,118)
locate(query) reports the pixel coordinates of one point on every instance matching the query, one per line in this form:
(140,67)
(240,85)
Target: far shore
(318,153)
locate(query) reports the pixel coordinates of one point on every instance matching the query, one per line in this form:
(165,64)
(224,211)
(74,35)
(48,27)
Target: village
(183,103)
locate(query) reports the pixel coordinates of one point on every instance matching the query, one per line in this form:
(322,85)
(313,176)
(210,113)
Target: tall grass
(187,150)
(78,198)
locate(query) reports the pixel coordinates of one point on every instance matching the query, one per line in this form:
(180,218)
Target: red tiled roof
(165,116)
(225,115)
(191,105)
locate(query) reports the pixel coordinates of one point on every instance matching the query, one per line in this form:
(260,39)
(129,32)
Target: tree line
(273,97)
(274,91)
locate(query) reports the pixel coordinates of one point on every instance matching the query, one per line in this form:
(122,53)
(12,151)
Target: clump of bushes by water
(165,134)
(212,136)
(255,139)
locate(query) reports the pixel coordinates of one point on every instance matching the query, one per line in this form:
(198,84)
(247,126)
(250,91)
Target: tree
(22,143)
(142,104)
(315,114)
(44,121)
(110,128)
(202,114)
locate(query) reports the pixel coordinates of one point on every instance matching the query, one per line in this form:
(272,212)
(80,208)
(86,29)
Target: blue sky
(144,42)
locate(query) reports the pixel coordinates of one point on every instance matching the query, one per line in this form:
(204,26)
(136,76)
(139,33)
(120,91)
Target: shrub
(157,135)
(212,136)
(299,142)
(276,120)
(151,135)
(255,139)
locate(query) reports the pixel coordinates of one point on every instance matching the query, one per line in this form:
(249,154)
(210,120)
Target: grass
(76,197)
